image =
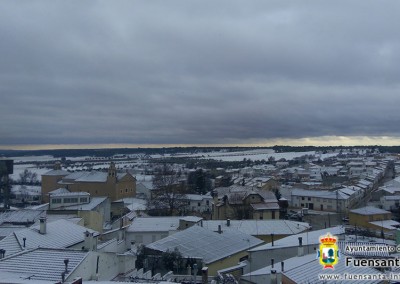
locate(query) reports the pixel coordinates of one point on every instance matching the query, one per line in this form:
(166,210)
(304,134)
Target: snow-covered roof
(93,176)
(309,238)
(56,173)
(59,234)
(314,268)
(369,210)
(202,243)
(59,190)
(43,264)
(265,206)
(387,224)
(133,203)
(288,264)
(258,227)
(197,197)
(94,202)
(20,216)
(347,190)
(154,224)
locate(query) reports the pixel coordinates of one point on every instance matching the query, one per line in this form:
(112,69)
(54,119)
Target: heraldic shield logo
(328,252)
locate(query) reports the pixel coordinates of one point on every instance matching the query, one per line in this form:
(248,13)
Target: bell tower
(112,172)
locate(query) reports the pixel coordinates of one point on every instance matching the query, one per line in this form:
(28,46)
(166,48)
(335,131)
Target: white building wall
(108,266)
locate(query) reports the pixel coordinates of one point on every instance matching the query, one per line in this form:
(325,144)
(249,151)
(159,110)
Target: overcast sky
(198,72)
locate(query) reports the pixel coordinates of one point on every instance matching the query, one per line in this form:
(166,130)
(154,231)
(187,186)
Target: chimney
(42,228)
(301,248)
(204,275)
(273,276)
(272,262)
(90,242)
(282,266)
(24,239)
(272,239)
(219,229)
(66,264)
(228,222)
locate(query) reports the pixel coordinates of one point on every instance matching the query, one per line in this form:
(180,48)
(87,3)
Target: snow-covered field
(18,169)
(258,154)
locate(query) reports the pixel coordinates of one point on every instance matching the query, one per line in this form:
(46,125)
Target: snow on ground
(258,154)
(33,159)
(18,169)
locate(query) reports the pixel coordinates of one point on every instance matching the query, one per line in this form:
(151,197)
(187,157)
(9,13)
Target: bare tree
(27,177)
(169,193)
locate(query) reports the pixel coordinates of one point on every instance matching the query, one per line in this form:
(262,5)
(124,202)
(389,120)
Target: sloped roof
(288,264)
(259,227)
(313,269)
(154,224)
(59,234)
(311,237)
(93,176)
(56,173)
(265,206)
(94,202)
(59,190)
(43,264)
(202,243)
(369,210)
(20,216)
(387,224)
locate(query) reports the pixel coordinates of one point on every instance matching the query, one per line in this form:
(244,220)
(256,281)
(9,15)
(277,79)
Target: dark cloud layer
(197,71)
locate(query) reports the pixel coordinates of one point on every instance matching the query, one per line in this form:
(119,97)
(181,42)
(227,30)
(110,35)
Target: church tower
(112,173)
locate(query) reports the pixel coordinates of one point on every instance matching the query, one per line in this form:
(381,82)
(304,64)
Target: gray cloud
(197,72)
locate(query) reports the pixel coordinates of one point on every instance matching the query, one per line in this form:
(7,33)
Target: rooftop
(59,234)
(155,224)
(56,173)
(43,264)
(313,269)
(202,243)
(369,210)
(309,238)
(259,227)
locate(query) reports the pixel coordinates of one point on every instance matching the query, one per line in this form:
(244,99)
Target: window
(273,214)
(198,204)
(208,202)
(318,199)
(302,198)
(302,204)
(56,200)
(309,199)
(84,199)
(71,200)
(126,190)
